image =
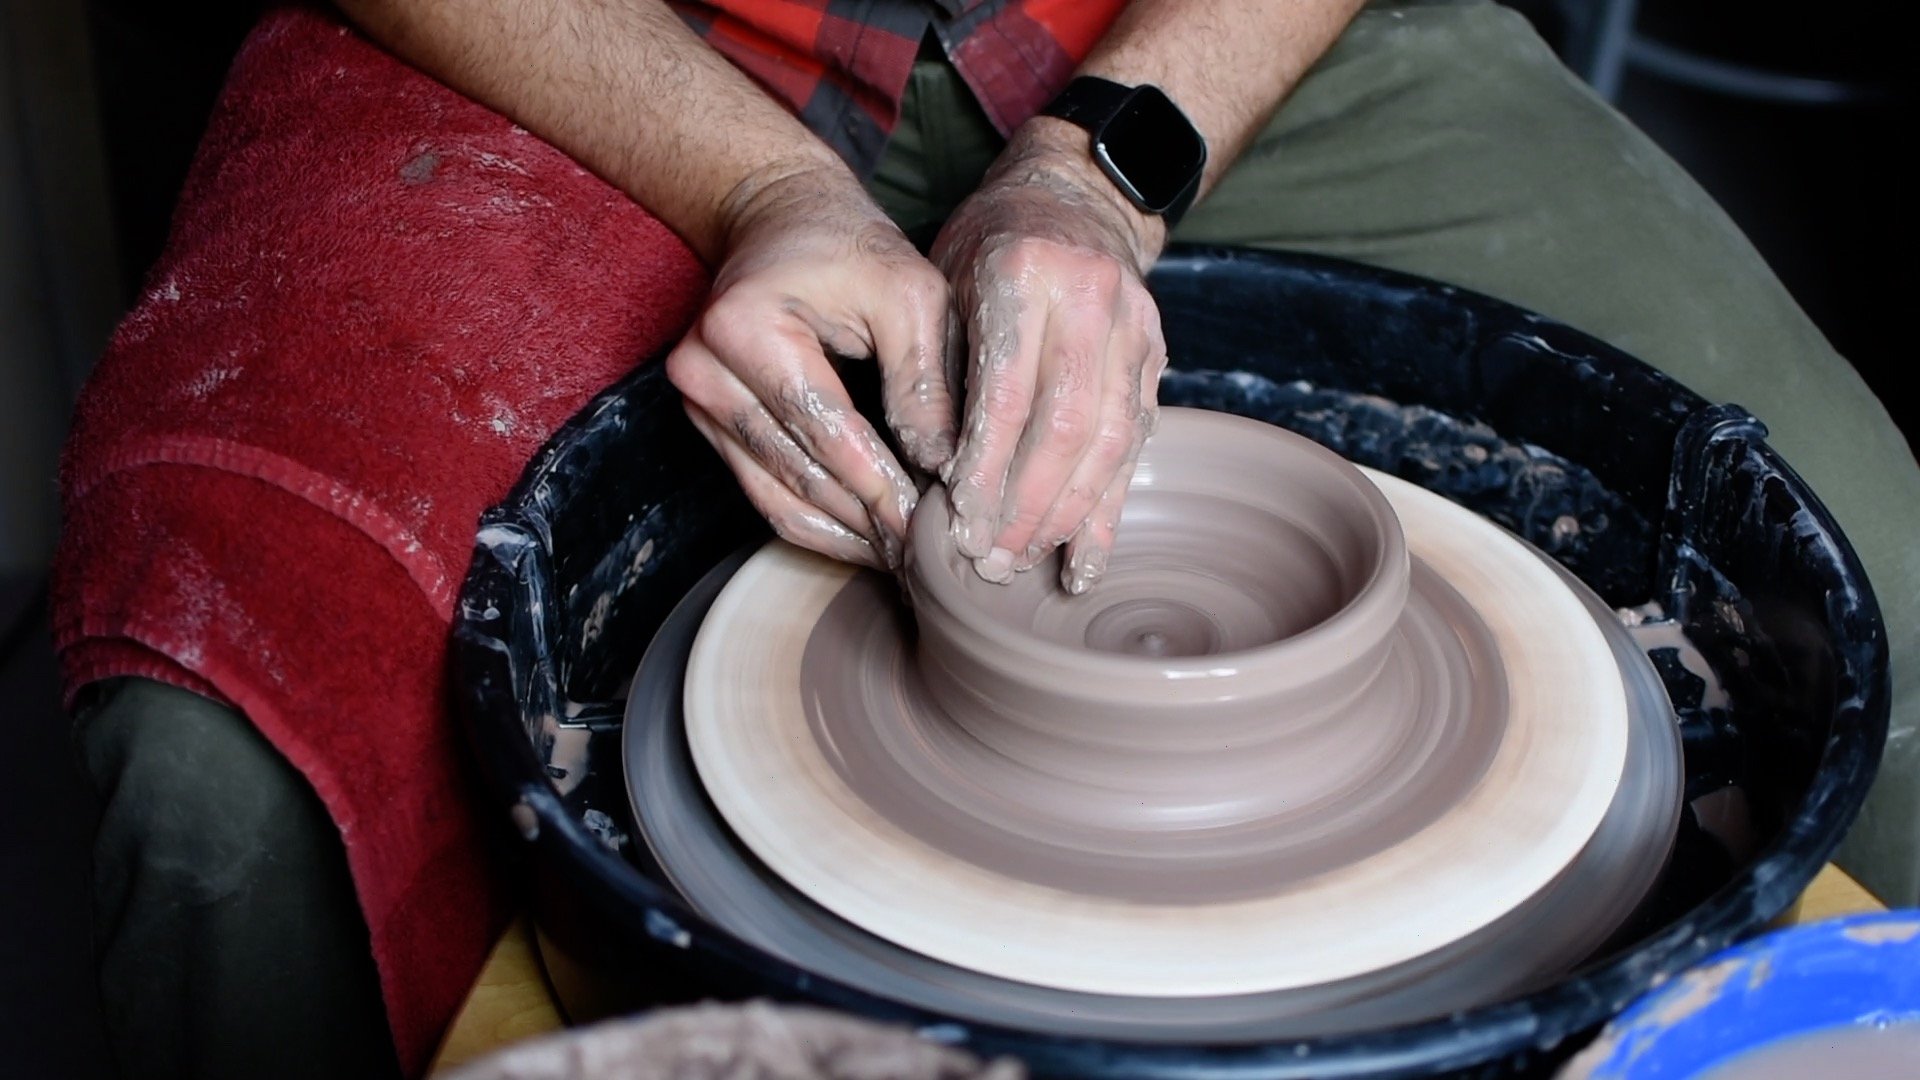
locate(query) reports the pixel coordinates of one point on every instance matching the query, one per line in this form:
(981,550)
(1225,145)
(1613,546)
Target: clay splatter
(420,170)
(1892,933)
(1697,990)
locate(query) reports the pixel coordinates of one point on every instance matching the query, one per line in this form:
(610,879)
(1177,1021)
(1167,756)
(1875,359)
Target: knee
(1490,112)
(193,799)
(1485,65)
(1477,37)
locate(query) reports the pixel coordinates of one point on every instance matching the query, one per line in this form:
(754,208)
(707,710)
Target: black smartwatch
(1143,142)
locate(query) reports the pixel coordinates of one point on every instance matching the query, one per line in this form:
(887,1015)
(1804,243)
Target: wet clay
(1248,696)
(1856,1050)
(1539,940)
(1223,771)
(1244,796)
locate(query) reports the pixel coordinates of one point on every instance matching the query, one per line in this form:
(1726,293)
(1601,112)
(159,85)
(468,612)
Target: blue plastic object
(1860,970)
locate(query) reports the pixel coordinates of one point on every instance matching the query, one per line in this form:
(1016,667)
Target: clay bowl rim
(1387,582)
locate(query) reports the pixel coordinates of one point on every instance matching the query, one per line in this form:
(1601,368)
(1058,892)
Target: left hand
(1063,355)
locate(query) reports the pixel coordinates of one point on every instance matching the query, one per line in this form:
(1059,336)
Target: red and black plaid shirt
(842,65)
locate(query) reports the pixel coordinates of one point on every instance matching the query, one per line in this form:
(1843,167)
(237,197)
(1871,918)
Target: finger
(1129,409)
(1091,544)
(785,368)
(793,520)
(1116,443)
(1089,548)
(1004,337)
(910,345)
(727,402)
(1068,409)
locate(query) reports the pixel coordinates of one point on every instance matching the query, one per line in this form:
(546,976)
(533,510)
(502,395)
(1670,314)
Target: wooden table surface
(511,1001)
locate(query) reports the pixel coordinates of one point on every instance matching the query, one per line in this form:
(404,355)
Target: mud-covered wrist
(1058,147)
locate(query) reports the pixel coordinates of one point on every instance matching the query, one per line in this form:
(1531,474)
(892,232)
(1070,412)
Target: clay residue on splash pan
(953,792)
(1552,502)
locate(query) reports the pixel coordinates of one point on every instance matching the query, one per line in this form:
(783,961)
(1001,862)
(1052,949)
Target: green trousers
(229,941)
(1438,138)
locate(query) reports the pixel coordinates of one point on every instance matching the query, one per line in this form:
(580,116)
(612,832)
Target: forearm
(625,88)
(1048,259)
(1227,63)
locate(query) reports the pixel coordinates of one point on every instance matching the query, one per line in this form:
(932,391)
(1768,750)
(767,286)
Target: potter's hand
(812,269)
(1064,354)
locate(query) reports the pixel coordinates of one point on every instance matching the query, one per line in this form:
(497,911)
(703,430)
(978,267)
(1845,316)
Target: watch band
(1088,101)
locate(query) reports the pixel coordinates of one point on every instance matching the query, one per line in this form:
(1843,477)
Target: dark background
(1817,187)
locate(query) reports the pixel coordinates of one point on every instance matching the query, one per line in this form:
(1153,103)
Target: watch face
(1150,146)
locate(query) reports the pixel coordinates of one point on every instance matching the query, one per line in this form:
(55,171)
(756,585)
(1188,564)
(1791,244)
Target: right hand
(813,268)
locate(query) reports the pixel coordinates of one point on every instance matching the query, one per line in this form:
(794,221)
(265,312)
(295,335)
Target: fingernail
(1083,569)
(997,567)
(1029,558)
(890,549)
(945,444)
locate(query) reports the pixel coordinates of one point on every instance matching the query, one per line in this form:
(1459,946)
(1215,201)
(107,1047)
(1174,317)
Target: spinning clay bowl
(1301,580)
(1644,491)
(1232,600)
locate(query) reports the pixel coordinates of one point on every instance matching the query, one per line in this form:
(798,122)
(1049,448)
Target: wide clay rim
(1497,848)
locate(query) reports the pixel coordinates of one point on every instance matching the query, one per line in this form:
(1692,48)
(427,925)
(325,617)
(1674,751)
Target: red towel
(378,300)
